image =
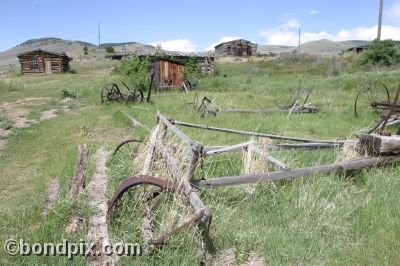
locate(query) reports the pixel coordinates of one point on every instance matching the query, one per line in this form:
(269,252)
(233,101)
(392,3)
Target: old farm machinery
(205,106)
(183,178)
(375,98)
(111,92)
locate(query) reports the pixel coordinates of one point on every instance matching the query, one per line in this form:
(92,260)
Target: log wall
(58,63)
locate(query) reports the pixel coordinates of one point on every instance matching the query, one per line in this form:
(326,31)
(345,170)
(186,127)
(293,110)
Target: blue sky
(195,25)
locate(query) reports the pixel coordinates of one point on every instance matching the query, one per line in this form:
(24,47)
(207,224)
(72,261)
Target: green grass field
(324,219)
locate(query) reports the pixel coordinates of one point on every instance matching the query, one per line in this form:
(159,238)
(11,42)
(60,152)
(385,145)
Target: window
(34,63)
(229,48)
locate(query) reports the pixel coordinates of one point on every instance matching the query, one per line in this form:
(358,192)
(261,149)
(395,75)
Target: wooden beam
(187,189)
(233,148)
(255,134)
(295,173)
(178,133)
(280,165)
(272,160)
(150,150)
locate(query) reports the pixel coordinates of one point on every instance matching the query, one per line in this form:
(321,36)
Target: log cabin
(239,47)
(43,62)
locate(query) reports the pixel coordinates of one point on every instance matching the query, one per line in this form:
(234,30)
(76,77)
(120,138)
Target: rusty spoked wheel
(111,92)
(140,206)
(128,147)
(374,98)
(146,188)
(135,95)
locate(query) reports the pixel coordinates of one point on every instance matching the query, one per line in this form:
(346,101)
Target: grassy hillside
(330,219)
(73,49)
(319,47)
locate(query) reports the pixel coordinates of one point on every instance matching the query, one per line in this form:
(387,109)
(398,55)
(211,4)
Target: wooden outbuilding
(239,47)
(169,72)
(43,62)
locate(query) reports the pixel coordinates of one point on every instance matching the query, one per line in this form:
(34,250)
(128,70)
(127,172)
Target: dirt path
(98,229)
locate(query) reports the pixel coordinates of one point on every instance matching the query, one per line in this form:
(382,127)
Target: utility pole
(380,20)
(299,39)
(99,33)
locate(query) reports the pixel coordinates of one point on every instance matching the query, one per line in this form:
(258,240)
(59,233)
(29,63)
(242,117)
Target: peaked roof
(238,40)
(44,51)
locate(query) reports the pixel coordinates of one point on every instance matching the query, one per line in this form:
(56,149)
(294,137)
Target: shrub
(110,49)
(136,70)
(381,53)
(5,123)
(68,94)
(192,70)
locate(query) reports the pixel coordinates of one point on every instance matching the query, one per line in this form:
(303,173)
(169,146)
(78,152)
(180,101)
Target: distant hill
(73,49)
(320,47)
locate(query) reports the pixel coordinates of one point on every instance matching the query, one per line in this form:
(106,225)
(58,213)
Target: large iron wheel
(111,92)
(374,98)
(128,147)
(138,205)
(135,95)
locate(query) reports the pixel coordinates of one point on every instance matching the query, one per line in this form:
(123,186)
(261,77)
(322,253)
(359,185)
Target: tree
(85,50)
(136,70)
(382,53)
(110,49)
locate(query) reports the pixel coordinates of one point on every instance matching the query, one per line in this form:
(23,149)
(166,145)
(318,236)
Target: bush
(68,94)
(5,123)
(381,53)
(136,70)
(110,49)
(192,71)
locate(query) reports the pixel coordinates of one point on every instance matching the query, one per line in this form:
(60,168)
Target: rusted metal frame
(164,238)
(184,185)
(296,173)
(136,181)
(126,142)
(392,110)
(272,160)
(255,134)
(382,123)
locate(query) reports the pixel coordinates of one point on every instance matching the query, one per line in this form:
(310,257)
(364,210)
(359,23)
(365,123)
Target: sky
(196,25)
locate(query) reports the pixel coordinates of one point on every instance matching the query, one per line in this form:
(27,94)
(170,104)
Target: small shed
(169,72)
(43,62)
(239,47)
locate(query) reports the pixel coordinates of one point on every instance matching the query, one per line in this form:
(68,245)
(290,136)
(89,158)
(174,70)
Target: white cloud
(287,34)
(313,12)
(223,39)
(180,45)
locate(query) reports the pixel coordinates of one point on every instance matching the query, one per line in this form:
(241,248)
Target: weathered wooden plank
(233,148)
(150,150)
(195,145)
(187,189)
(272,160)
(295,173)
(374,144)
(255,134)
